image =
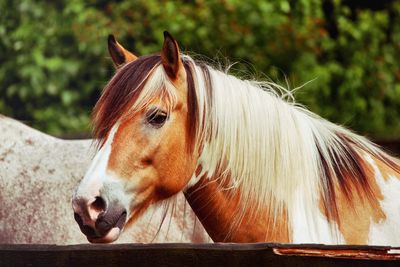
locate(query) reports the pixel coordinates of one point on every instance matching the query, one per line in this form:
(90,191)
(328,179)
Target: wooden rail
(260,254)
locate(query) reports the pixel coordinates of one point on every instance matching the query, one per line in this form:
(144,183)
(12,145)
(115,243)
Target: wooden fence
(259,254)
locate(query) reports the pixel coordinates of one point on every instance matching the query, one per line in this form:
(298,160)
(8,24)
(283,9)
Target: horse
(38,175)
(253,165)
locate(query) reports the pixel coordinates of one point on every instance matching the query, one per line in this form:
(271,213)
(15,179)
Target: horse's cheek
(176,168)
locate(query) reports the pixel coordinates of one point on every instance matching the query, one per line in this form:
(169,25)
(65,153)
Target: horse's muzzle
(101,222)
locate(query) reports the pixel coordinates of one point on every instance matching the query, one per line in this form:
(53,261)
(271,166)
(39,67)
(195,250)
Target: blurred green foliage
(54,59)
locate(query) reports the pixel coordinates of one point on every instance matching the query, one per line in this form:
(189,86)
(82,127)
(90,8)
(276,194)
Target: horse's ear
(118,53)
(170,56)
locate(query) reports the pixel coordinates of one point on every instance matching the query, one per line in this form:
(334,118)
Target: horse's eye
(156,118)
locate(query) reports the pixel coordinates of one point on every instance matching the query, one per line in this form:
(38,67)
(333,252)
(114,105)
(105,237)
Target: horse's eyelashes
(156,118)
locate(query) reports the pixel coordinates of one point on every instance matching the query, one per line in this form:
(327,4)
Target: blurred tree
(54,58)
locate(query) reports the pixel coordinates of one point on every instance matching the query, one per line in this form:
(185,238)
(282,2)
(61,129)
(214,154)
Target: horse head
(144,126)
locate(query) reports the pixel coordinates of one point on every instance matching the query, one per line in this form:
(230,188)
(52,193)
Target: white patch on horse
(311,226)
(386,231)
(94,179)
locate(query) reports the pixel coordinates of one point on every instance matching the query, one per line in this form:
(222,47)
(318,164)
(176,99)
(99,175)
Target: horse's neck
(221,214)
(286,153)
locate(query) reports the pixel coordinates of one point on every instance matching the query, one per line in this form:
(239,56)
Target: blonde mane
(276,153)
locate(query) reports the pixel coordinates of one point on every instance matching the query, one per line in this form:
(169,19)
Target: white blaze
(90,186)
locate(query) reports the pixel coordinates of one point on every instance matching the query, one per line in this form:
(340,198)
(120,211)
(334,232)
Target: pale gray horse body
(38,174)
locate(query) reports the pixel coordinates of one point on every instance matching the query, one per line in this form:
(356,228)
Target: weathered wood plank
(261,254)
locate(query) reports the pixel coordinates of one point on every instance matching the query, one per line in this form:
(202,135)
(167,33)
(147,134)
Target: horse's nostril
(99,204)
